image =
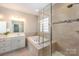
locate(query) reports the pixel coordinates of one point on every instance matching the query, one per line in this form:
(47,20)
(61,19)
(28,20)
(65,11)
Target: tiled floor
(20,52)
(25,52)
(57,54)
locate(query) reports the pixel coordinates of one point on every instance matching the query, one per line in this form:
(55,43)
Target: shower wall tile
(66,34)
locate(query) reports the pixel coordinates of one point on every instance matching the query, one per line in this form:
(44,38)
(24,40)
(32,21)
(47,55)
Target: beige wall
(66,33)
(30,21)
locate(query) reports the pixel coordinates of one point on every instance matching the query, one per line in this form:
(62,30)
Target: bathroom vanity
(12,42)
(12,35)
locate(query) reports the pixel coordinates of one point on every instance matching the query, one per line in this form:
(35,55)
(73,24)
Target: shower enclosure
(45,29)
(59,23)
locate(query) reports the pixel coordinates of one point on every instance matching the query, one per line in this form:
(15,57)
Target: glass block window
(44,25)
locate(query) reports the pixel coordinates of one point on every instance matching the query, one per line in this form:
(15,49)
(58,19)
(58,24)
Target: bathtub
(38,45)
(39,42)
(38,39)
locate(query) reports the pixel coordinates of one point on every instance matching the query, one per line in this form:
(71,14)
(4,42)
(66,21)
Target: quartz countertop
(4,37)
(15,34)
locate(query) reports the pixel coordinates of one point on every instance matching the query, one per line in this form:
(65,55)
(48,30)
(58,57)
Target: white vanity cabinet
(11,43)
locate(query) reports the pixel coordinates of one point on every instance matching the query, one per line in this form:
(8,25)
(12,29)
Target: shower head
(71,5)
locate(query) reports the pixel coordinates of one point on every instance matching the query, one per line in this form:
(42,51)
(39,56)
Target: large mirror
(11,26)
(18,26)
(3,26)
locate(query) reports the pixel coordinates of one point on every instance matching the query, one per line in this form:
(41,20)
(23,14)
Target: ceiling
(31,8)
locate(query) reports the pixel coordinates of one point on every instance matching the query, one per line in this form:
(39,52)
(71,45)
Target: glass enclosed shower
(45,30)
(59,29)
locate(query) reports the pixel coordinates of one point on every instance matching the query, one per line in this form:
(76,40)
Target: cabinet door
(14,43)
(21,41)
(2,50)
(17,42)
(5,46)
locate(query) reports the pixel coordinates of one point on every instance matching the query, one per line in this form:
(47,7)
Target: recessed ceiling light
(37,10)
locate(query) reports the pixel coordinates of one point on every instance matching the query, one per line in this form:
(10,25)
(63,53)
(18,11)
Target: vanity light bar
(17,18)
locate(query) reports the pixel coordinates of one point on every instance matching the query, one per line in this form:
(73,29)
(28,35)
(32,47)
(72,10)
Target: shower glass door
(45,31)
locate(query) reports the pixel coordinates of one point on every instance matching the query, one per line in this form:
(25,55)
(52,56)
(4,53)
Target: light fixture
(17,18)
(1,16)
(37,10)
